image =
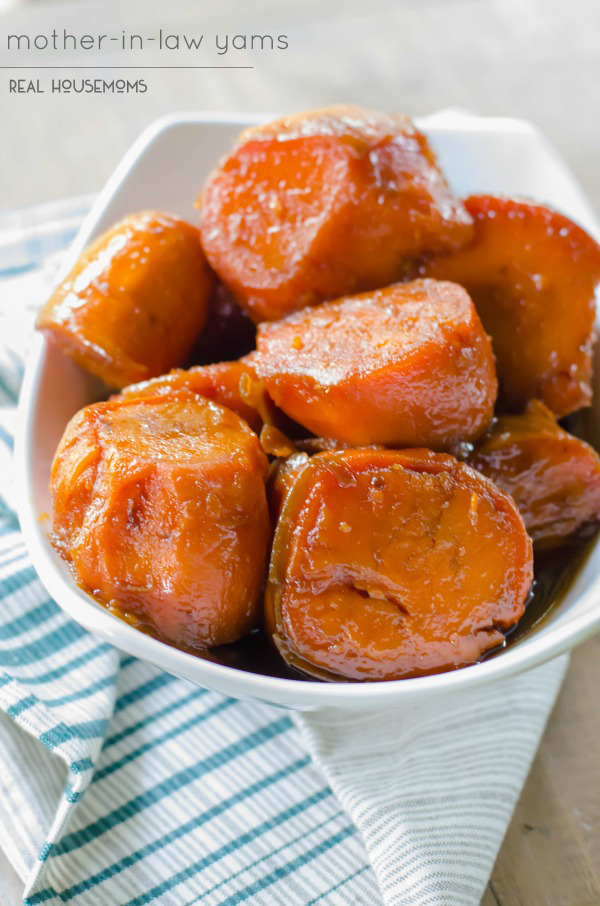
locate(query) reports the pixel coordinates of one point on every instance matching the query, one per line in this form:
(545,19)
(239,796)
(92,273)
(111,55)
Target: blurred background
(537,59)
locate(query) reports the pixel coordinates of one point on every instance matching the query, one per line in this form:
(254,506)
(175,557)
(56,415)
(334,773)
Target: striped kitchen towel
(121,784)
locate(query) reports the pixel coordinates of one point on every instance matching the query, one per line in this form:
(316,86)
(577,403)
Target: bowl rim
(98,620)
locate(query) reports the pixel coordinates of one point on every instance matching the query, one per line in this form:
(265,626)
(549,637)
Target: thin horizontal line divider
(118,66)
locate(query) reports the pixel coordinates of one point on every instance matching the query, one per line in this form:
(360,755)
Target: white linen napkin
(432,790)
(121,784)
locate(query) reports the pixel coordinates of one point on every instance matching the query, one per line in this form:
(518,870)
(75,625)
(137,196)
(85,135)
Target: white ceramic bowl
(165,169)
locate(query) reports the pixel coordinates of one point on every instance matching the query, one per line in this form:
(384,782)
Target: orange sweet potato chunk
(231,384)
(409,365)
(553,477)
(390,564)
(282,478)
(135,301)
(531,273)
(322,204)
(160,508)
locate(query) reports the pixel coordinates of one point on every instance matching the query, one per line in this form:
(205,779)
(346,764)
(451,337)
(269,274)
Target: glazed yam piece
(282,479)
(231,384)
(390,564)
(160,507)
(135,301)
(531,273)
(409,365)
(553,477)
(323,204)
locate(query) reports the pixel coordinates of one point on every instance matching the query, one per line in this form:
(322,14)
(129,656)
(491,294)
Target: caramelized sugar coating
(160,507)
(553,477)
(389,564)
(531,273)
(409,365)
(231,384)
(282,479)
(275,443)
(322,204)
(135,301)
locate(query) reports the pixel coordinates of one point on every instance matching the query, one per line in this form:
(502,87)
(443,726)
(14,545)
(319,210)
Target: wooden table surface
(538,59)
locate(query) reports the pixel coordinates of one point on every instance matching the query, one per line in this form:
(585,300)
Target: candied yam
(133,305)
(409,365)
(553,477)
(231,384)
(388,564)
(284,473)
(323,204)
(160,508)
(531,273)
